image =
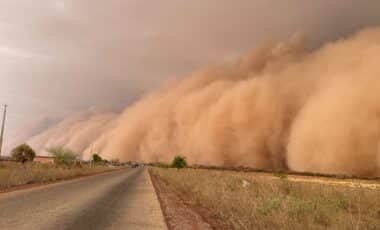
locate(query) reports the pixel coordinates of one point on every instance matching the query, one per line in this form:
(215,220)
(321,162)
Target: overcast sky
(60,56)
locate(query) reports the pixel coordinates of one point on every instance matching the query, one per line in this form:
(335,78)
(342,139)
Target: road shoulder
(179,214)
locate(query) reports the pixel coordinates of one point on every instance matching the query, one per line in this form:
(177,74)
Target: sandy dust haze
(281,106)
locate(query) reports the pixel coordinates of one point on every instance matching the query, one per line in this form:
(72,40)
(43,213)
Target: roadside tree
(23,153)
(96,158)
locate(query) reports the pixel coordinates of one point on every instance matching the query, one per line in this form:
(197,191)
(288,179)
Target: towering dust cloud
(279,107)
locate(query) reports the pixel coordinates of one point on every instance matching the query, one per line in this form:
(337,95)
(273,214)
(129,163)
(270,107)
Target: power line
(2,129)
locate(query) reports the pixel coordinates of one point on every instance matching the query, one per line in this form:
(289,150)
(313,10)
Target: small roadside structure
(44,159)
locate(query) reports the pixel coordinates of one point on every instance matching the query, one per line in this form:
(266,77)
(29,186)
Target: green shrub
(63,156)
(96,158)
(179,162)
(23,153)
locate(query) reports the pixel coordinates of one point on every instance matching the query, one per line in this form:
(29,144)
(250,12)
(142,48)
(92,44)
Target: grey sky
(60,56)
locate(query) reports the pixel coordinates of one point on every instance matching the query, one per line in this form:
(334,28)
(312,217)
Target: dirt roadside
(179,214)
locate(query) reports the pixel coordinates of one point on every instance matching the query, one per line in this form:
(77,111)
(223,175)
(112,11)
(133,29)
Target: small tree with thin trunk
(96,158)
(23,153)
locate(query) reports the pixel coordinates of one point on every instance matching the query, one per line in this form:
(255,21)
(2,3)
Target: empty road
(118,200)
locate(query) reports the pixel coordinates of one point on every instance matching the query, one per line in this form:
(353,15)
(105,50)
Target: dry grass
(13,174)
(247,201)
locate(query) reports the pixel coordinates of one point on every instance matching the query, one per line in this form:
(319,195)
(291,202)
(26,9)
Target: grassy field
(249,201)
(13,174)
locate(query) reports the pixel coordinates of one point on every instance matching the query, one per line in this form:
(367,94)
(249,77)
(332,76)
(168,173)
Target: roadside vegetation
(179,162)
(98,160)
(22,170)
(247,201)
(14,174)
(62,156)
(23,153)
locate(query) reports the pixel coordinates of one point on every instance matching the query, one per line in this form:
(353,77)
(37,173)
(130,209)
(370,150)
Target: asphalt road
(117,200)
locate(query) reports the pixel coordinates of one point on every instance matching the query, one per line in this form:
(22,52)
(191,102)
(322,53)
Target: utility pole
(2,129)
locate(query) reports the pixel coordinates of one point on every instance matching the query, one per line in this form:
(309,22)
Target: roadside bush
(179,162)
(23,153)
(97,159)
(63,156)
